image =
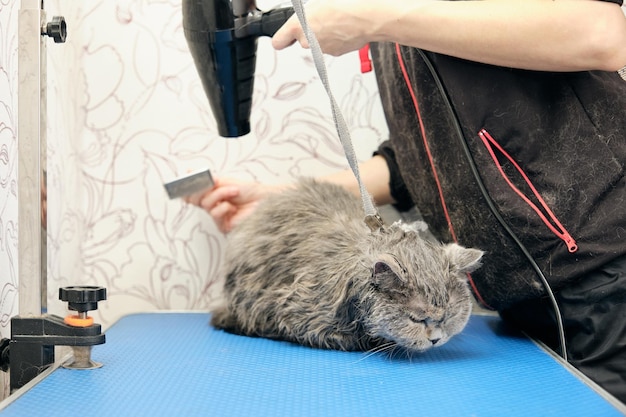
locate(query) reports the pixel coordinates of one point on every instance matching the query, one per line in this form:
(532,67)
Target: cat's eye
(416,319)
(402,268)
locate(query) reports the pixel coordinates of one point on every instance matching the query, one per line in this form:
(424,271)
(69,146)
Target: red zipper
(552,223)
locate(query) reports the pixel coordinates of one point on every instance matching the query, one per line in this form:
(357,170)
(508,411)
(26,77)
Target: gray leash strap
(372,218)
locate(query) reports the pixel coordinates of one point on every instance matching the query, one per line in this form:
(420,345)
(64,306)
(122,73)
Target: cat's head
(419,295)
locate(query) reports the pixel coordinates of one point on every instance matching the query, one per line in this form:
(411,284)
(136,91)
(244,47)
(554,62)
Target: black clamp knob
(56,29)
(82,298)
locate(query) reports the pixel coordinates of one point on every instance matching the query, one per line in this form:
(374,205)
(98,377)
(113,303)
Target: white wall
(126,113)
(8,164)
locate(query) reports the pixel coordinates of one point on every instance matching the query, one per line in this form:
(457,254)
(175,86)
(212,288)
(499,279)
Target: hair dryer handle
(272,20)
(264,24)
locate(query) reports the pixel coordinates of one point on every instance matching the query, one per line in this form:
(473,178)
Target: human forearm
(374,174)
(531,34)
(565,35)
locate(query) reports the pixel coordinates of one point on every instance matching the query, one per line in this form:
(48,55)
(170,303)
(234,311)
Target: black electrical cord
(490,203)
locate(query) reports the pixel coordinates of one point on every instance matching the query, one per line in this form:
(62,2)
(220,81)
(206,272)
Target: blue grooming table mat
(175,364)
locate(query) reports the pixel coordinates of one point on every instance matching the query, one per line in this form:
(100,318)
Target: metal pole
(31,157)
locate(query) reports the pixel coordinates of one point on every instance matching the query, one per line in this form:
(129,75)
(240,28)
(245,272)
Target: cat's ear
(381,267)
(384,276)
(463,259)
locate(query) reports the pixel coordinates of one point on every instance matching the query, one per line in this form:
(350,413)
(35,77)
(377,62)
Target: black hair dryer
(222,38)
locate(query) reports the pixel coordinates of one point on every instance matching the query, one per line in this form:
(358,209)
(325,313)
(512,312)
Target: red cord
(433,168)
(423,132)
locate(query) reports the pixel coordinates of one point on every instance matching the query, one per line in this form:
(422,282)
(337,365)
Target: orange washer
(77,321)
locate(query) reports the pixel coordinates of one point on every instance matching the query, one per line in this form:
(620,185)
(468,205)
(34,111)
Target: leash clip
(374,222)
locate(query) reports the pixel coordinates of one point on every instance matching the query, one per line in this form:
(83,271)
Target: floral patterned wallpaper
(126,112)
(8,163)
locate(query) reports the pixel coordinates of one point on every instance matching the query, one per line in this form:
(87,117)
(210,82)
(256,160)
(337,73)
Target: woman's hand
(230,201)
(339,26)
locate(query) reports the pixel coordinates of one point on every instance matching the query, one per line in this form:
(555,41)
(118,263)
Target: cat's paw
(224,320)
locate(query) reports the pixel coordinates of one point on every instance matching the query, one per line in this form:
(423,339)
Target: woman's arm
(548,35)
(375,176)
(230,201)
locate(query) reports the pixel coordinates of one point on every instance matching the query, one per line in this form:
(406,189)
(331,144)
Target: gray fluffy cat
(305,268)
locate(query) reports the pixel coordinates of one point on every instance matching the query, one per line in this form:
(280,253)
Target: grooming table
(175,364)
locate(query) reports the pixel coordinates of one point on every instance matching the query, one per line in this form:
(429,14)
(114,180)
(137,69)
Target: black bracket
(30,350)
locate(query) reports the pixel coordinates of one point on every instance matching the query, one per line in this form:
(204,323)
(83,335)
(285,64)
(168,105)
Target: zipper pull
(572,246)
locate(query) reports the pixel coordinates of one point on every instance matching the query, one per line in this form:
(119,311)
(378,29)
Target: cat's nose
(434,341)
